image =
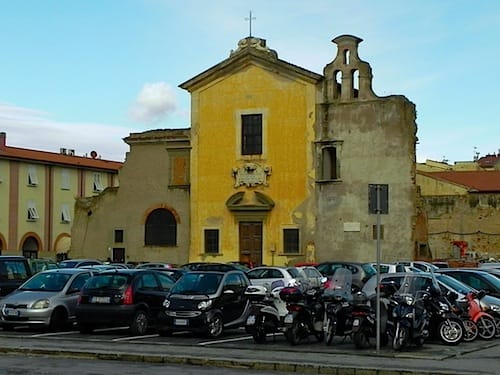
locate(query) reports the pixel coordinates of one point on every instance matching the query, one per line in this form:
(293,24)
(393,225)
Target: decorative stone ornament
(251,174)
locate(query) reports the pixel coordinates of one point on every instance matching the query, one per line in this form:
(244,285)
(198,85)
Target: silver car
(46,299)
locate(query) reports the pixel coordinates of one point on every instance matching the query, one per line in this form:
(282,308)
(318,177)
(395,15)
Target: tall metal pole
(378,267)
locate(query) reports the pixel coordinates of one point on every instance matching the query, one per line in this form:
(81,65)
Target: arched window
(30,247)
(161,229)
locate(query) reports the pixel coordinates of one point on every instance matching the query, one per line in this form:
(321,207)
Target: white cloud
(32,129)
(154,102)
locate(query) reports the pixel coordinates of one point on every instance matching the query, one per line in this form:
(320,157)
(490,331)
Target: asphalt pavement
(482,358)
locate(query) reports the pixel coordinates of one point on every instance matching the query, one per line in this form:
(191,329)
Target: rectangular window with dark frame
(211,241)
(251,134)
(291,241)
(118,235)
(329,167)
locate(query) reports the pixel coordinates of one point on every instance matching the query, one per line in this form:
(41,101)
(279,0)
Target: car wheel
(58,320)
(139,325)
(215,326)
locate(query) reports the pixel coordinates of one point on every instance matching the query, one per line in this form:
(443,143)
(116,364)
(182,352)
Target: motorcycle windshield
(416,285)
(340,286)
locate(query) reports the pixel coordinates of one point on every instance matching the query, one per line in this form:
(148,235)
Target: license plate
(180,322)
(289,318)
(98,299)
(251,320)
(12,312)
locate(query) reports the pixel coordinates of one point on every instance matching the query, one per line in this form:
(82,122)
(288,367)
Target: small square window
(291,241)
(32,176)
(118,235)
(65,214)
(211,241)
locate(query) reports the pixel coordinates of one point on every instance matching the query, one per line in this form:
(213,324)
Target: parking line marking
(53,334)
(226,340)
(129,338)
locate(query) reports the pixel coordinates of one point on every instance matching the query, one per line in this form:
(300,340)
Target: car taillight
(128,296)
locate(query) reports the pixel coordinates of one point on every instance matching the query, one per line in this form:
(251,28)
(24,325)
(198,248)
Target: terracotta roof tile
(474,181)
(7,152)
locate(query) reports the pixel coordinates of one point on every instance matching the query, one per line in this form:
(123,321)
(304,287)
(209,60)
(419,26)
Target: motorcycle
(443,321)
(337,299)
(485,322)
(364,321)
(267,310)
(305,314)
(408,321)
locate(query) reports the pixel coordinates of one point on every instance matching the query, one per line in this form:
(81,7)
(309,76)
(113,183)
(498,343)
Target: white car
(273,275)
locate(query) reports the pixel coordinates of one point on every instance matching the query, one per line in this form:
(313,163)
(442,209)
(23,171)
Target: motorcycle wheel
(450,332)
(329,331)
(497,323)
(259,334)
(471,330)
(294,333)
(486,327)
(361,338)
(401,338)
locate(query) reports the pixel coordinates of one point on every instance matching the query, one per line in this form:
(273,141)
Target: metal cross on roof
(249,19)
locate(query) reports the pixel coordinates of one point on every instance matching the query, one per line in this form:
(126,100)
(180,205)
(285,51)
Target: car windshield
(68,264)
(197,283)
(111,281)
(454,284)
(48,282)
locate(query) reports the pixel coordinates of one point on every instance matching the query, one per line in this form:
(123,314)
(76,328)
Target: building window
(65,214)
(211,241)
(291,241)
(32,212)
(179,168)
(97,183)
(329,163)
(118,235)
(32,176)
(161,229)
(251,134)
(65,182)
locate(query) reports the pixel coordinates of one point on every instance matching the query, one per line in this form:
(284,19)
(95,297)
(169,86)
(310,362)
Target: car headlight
(166,303)
(204,305)
(495,308)
(41,304)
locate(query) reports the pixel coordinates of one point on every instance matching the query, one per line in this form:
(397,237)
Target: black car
(475,278)
(361,272)
(122,297)
(14,270)
(205,302)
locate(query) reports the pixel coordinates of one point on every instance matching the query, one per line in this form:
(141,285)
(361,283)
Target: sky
(84,74)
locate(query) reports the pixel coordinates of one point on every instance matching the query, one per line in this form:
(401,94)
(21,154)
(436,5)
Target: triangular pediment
(249,201)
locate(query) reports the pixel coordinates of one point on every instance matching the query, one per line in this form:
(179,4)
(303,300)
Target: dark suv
(206,302)
(361,272)
(14,270)
(122,297)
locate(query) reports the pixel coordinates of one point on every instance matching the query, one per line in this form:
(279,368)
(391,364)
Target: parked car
(73,263)
(267,275)
(361,272)
(154,265)
(47,299)
(395,267)
(475,278)
(206,302)
(421,265)
(14,270)
(123,297)
(314,278)
(210,266)
(40,264)
(174,273)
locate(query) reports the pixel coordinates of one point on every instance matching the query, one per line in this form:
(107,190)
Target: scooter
(267,311)
(337,299)
(485,322)
(305,314)
(364,321)
(408,319)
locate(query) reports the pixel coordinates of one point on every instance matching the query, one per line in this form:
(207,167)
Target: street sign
(378,199)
